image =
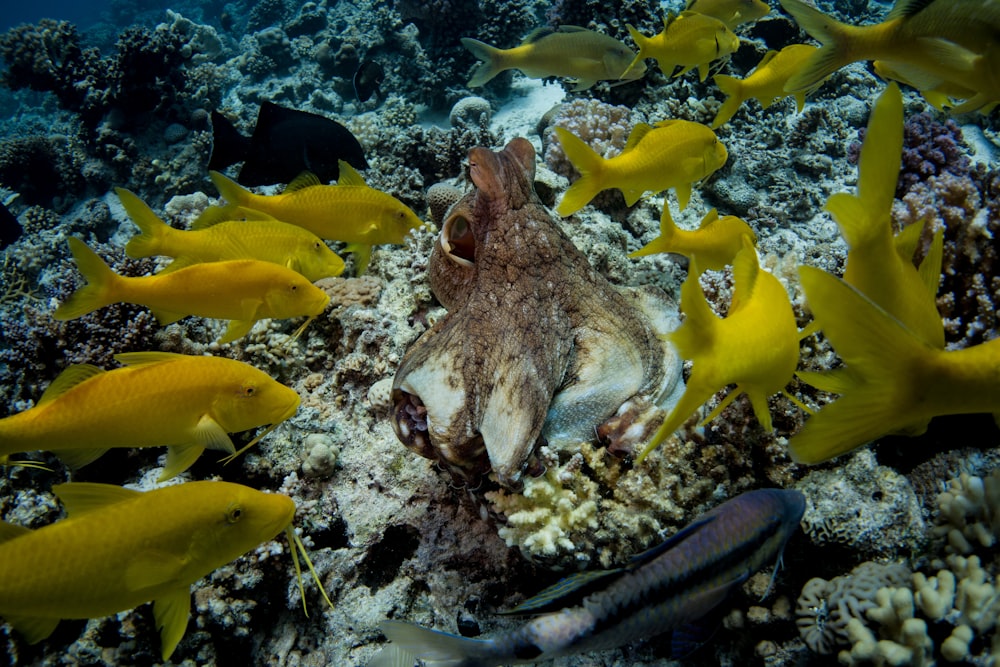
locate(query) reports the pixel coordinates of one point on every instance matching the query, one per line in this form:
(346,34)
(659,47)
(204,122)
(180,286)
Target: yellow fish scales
(350,211)
(242,291)
(120,548)
(186,403)
(267,239)
(671,154)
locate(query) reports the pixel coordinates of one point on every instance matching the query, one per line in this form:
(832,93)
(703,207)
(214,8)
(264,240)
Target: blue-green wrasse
(663,588)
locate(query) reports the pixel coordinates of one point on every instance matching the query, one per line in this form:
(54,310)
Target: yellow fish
(766,83)
(270,240)
(688,40)
(730,12)
(120,548)
(938,93)
(243,291)
(183,402)
(756,346)
(582,55)
(349,211)
(671,154)
(713,245)
(953,41)
(899,381)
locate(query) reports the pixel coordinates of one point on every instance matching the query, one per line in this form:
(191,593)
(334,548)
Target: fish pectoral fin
(33,628)
(179,459)
(151,568)
(210,434)
(582,84)
(77,458)
(237,329)
(654,552)
(165,317)
(82,497)
(699,604)
(362,255)
(171,613)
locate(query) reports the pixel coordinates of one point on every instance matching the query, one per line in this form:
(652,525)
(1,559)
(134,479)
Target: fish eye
(317,245)
(295,287)
(249,390)
(234,513)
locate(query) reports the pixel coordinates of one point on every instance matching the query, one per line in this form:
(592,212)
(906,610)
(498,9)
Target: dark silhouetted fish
(10,228)
(367,80)
(285,143)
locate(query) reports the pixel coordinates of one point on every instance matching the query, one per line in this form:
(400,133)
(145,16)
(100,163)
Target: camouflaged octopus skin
(536,345)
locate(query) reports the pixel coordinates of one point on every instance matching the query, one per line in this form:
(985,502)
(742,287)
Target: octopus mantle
(536,345)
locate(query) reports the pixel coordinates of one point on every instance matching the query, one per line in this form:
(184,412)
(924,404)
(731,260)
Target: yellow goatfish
(756,346)
(671,154)
(948,41)
(713,245)
(582,55)
(766,83)
(120,548)
(268,240)
(183,402)
(899,381)
(349,211)
(688,40)
(730,12)
(242,291)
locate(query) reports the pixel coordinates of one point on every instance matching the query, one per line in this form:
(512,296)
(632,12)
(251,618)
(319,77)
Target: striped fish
(662,589)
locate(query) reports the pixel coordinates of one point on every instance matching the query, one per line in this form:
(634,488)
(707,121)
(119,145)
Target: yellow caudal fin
(830,57)
(732,88)
(588,163)
(878,353)
(231,191)
(97,293)
(152,230)
(490,57)
(860,217)
(663,242)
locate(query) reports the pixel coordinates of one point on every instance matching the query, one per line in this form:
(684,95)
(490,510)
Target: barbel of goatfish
(713,245)
(687,40)
(268,240)
(671,154)
(349,211)
(943,42)
(185,403)
(731,12)
(662,589)
(242,291)
(285,143)
(575,53)
(120,548)
(766,83)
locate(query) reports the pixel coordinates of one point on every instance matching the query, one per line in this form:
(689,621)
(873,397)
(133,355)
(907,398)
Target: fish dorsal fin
(349,175)
(556,595)
(306,179)
(907,239)
(907,8)
(83,497)
(638,132)
(768,57)
(572,28)
(9,531)
(710,217)
(687,531)
(69,378)
(137,359)
(537,34)
(171,613)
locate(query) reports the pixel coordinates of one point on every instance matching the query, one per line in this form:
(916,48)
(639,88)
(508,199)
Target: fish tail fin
(152,230)
(434,648)
(231,191)
(586,161)
(491,58)
(878,171)
(100,281)
(879,354)
(834,53)
(663,242)
(641,42)
(733,89)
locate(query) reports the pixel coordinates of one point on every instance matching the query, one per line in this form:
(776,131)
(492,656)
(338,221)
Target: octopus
(536,347)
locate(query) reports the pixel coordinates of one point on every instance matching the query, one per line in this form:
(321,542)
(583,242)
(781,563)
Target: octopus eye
(458,241)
